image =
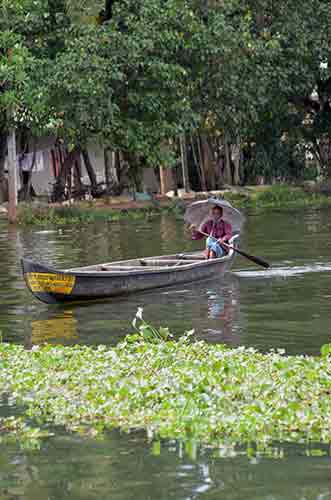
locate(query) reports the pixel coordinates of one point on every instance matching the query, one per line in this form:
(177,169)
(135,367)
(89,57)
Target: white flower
(139,314)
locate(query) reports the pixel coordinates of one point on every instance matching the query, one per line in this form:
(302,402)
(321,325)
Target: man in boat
(218,230)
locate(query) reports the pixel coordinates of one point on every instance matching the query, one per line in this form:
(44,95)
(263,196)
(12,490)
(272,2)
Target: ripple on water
(285,272)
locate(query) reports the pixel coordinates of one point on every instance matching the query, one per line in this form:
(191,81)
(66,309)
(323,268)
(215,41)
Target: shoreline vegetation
(115,209)
(187,390)
(205,93)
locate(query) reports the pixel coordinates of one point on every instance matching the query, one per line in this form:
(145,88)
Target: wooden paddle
(253,258)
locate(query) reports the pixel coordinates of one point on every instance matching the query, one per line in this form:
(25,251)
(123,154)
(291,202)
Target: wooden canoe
(120,278)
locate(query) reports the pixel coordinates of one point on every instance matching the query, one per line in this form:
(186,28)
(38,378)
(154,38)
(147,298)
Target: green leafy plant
(326,350)
(189,390)
(147,332)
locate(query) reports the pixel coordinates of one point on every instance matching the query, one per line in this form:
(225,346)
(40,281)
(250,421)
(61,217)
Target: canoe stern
(46,284)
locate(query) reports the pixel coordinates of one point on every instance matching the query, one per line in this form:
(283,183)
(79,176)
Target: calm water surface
(287,307)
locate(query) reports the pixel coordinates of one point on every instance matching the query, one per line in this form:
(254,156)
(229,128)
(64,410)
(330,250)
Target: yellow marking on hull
(51,283)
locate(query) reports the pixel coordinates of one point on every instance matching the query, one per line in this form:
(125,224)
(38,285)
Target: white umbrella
(199,212)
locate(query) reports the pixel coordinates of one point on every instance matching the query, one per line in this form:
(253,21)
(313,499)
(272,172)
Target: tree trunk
(3,180)
(12,176)
(198,163)
(111,176)
(186,181)
(324,153)
(120,167)
(163,181)
(201,164)
(108,9)
(236,164)
(208,162)
(227,169)
(166,180)
(90,170)
(27,192)
(77,174)
(62,186)
(107,160)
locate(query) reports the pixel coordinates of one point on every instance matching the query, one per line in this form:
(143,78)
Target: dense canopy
(137,76)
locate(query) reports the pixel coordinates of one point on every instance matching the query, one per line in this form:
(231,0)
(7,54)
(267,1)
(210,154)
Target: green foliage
(326,350)
(278,196)
(77,215)
(187,390)
(146,332)
(272,157)
(244,71)
(283,196)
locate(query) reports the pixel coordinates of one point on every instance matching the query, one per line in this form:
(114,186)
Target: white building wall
(43,178)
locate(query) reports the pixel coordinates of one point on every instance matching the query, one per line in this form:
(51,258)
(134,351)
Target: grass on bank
(44,216)
(273,197)
(186,390)
(280,197)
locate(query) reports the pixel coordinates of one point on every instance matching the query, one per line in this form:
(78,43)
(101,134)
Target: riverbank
(186,390)
(115,209)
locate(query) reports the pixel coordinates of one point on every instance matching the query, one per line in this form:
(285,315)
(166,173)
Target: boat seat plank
(125,268)
(167,262)
(190,257)
(135,268)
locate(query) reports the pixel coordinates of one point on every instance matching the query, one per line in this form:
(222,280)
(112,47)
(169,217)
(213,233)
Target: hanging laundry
(25,162)
(39,162)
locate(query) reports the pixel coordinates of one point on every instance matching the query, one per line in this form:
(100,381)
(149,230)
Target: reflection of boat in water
(223,308)
(211,308)
(62,327)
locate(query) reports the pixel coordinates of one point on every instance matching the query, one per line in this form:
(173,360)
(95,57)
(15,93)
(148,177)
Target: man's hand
(193,227)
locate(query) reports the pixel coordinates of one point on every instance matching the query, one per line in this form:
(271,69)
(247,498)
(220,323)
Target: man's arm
(196,235)
(227,232)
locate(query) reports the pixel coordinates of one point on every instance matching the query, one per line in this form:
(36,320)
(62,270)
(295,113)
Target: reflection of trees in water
(294,235)
(123,467)
(12,288)
(316,221)
(40,245)
(173,236)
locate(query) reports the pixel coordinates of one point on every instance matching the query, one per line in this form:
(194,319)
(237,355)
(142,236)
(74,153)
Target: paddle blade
(253,258)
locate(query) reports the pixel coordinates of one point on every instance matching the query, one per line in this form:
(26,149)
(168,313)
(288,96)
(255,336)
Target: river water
(285,307)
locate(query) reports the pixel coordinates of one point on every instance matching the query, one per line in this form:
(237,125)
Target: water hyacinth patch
(186,390)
